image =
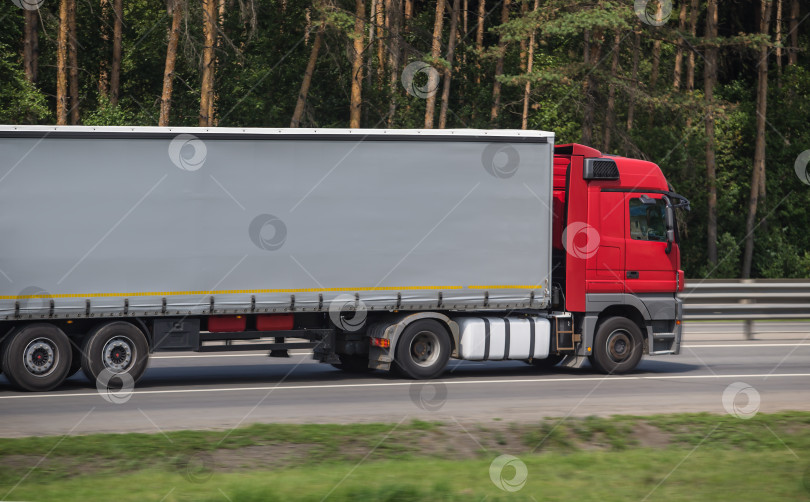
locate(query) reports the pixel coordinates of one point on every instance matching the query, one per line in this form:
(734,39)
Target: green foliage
(265,46)
(108,115)
(20,101)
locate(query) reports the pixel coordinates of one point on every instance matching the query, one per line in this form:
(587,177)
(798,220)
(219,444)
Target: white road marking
(746,345)
(428,382)
(255,354)
(304,353)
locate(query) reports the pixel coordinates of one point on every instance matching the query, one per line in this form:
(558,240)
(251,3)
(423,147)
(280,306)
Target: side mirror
(670,222)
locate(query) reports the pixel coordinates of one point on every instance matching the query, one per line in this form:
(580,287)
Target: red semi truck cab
(616,253)
(603,289)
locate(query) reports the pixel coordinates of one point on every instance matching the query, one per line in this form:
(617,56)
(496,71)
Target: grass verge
(664,457)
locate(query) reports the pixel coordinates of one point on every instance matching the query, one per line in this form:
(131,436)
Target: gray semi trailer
(376,249)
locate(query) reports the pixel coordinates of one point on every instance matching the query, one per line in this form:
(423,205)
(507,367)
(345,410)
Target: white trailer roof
(500,134)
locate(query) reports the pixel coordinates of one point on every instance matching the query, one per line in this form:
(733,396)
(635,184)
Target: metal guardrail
(748,300)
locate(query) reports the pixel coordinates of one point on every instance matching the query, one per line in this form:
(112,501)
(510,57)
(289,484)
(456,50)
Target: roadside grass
(605,476)
(661,457)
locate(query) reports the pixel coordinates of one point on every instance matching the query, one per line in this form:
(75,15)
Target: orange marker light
(381,342)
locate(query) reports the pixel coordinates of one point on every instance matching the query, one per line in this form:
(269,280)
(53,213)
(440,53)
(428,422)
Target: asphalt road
(718,371)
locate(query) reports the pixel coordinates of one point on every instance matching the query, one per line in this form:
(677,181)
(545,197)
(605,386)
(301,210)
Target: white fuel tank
(498,338)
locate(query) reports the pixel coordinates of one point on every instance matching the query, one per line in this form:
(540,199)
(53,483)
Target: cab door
(606,225)
(649,268)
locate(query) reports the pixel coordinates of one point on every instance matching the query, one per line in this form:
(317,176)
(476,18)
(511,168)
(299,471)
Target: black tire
(353,364)
(117,346)
(546,364)
(423,349)
(36,357)
(617,347)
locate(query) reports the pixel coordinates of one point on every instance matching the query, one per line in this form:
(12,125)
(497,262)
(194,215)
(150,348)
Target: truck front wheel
(36,357)
(617,346)
(423,349)
(118,347)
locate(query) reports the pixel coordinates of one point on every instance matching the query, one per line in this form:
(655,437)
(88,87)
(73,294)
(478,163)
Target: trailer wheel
(36,357)
(353,364)
(618,346)
(546,364)
(118,347)
(423,349)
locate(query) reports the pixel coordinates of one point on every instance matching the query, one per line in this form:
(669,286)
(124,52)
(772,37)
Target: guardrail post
(749,329)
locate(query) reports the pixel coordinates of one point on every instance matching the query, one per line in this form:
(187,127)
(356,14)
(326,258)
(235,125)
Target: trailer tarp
(180,222)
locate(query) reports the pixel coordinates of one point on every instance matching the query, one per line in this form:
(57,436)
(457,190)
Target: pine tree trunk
(479,28)
(709,81)
(479,36)
(372,33)
(527,89)
(435,53)
(631,105)
(794,32)
(408,12)
(378,22)
(305,83)
(690,71)
(103,65)
(587,107)
(610,113)
(656,56)
(524,9)
(212,104)
(31,45)
(464,27)
(207,80)
(355,111)
(679,51)
(593,49)
(61,65)
(73,63)
(394,23)
(448,72)
(496,88)
(779,44)
(690,61)
(115,70)
(758,171)
(171,58)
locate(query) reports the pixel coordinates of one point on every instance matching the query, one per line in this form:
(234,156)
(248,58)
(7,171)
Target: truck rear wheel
(118,347)
(36,357)
(423,349)
(617,346)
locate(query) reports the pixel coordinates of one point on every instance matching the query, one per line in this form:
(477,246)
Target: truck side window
(647,221)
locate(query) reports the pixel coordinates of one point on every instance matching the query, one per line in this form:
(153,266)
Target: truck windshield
(648,221)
